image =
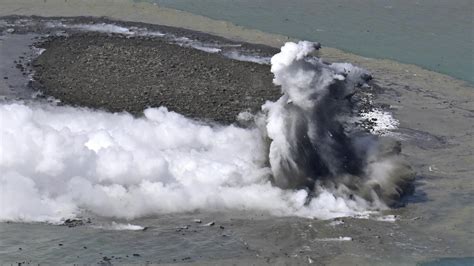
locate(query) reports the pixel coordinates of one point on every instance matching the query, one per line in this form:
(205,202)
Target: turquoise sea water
(435,34)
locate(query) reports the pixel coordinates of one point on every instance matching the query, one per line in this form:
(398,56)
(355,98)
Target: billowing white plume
(58,162)
(310,145)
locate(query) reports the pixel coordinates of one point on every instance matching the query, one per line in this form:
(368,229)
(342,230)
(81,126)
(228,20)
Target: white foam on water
(97,27)
(248,58)
(387,218)
(103,27)
(186,42)
(383,121)
(331,239)
(336,223)
(106,28)
(180,40)
(135,31)
(57,162)
(152,34)
(119,227)
(38,51)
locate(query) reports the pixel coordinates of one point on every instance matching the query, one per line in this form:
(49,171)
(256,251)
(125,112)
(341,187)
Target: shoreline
(124,10)
(151,71)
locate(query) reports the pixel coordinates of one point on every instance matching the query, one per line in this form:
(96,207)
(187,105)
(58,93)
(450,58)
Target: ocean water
(437,35)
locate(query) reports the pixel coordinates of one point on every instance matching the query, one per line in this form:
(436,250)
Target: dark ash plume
(310,145)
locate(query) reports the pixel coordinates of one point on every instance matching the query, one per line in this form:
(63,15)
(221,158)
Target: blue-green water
(468,261)
(435,34)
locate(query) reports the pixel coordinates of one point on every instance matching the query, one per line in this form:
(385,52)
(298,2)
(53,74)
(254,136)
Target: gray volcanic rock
(116,73)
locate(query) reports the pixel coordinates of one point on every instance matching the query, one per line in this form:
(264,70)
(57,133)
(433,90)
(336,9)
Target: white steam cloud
(60,162)
(57,162)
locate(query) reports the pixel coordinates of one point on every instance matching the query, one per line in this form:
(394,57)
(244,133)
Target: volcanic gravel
(119,73)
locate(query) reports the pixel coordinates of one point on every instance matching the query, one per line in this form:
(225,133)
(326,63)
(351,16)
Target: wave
(172,38)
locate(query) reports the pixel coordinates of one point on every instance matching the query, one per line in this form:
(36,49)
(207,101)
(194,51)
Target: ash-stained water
(151,177)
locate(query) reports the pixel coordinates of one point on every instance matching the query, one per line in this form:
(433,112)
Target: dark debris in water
(73,223)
